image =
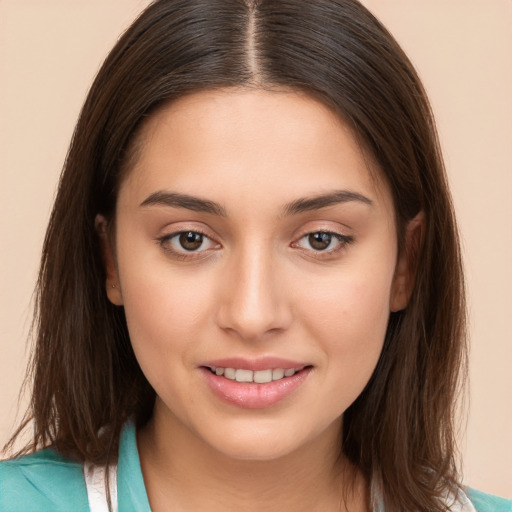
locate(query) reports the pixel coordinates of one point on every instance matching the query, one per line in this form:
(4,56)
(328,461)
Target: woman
(251,290)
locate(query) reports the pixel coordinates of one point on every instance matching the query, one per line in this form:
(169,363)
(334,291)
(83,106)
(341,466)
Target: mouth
(255,376)
(258,388)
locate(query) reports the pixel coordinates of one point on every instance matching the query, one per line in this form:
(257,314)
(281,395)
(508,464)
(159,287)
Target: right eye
(190,242)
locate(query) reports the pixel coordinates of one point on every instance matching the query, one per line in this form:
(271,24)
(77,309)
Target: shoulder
(41,482)
(487,502)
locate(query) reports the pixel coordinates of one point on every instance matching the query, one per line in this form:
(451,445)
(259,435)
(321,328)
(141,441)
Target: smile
(258,388)
(259,376)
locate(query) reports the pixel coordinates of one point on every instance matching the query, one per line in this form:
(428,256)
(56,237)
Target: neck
(180,469)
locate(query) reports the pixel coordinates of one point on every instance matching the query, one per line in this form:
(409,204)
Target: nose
(253,299)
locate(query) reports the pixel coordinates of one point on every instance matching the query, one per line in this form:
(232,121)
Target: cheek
(352,302)
(165,311)
(164,321)
(348,317)
(152,313)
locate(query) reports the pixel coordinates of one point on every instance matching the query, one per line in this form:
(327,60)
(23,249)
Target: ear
(109,261)
(406,266)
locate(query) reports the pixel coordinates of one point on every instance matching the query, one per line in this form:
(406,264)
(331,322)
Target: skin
(256,287)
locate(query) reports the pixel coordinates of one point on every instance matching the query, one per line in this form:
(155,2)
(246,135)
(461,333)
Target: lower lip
(249,395)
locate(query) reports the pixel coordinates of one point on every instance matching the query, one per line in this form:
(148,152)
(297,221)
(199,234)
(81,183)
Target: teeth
(229,373)
(277,374)
(263,376)
(244,376)
(260,376)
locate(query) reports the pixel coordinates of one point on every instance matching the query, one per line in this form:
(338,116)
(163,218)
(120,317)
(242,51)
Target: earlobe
(406,267)
(112,286)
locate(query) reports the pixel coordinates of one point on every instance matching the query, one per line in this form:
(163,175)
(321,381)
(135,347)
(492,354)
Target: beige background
(49,53)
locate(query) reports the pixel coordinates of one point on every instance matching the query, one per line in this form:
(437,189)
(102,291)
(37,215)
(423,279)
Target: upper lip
(262,363)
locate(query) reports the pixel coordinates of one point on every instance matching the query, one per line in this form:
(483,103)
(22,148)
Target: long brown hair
(86,380)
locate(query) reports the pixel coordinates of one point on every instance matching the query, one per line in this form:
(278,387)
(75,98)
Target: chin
(266,442)
(256,451)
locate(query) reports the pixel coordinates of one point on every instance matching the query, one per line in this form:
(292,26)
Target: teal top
(47,482)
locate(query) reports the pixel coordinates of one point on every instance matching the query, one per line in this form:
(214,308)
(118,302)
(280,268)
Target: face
(256,259)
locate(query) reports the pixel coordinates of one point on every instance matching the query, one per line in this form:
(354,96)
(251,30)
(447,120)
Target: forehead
(276,145)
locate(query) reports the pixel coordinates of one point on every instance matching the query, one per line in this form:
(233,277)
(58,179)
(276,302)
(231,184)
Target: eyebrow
(306,204)
(175,200)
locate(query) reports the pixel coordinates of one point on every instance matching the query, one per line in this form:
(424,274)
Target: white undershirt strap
(96,491)
(97,494)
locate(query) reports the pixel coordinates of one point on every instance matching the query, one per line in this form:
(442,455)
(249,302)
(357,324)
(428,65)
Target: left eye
(323,241)
(188,241)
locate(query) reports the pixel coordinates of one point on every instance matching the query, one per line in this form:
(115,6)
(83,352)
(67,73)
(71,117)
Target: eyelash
(184,254)
(343,242)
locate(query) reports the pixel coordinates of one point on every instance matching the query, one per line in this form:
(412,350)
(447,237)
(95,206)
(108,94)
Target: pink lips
(250,395)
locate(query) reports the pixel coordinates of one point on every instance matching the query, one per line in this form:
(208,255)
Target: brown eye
(324,244)
(188,244)
(320,241)
(190,241)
